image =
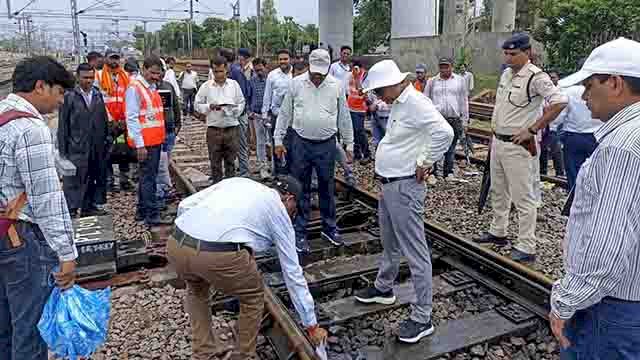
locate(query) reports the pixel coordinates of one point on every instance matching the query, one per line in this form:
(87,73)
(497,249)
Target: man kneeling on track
(217,231)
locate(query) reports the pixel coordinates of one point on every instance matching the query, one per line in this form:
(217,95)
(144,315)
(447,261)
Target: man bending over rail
(217,231)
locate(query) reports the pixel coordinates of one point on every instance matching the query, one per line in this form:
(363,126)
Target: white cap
(617,57)
(382,74)
(319,61)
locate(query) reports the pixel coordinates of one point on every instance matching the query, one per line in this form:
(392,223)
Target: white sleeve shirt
(576,117)
(417,135)
(250,213)
(212,93)
(170,77)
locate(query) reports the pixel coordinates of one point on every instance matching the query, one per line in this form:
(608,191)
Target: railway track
(464,271)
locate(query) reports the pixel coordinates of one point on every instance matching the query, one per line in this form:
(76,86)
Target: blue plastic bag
(74,322)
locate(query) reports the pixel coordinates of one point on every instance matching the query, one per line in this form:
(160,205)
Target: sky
(303,11)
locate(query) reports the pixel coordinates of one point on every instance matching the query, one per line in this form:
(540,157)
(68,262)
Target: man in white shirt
(249,217)
(189,79)
(449,94)
(274,91)
(468,77)
(342,67)
(315,108)
(417,135)
(577,132)
(170,75)
(222,101)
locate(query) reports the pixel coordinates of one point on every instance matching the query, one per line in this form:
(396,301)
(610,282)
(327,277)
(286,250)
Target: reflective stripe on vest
(356,101)
(150,117)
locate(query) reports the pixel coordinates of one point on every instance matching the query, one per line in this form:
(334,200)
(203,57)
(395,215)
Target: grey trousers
(243,149)
(400,214)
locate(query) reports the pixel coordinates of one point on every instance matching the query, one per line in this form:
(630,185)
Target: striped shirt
(602,242)
(450,96)
(27,164)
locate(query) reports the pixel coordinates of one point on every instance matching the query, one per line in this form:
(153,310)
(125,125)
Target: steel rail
(296,338)
(510,273)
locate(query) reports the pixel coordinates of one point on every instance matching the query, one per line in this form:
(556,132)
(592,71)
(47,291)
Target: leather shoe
(489,238)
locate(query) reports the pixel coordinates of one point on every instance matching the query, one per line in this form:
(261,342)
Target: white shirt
(468,77)
(189,79)
(275,89)
(227,93)
(417,135)
(339,70)
(315,113)
(248,212)
(449,96)
(576,117)
(170,77)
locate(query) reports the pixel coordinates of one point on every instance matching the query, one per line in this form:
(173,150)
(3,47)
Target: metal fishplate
(457,278)
(515,313)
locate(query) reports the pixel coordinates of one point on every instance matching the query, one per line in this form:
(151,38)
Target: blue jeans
(378,129)
(450,155)
(607,330)
(551,146)
(576,149)
(24,290)
(319,156)
(361,144)
(163,181)
(147,202)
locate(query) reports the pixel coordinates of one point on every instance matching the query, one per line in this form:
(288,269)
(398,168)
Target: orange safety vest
(151,115)
(114,104)
(419,85)
(356,100)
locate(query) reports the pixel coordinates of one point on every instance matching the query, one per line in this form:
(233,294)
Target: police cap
(518,41)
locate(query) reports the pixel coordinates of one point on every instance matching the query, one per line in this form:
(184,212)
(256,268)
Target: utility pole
(144,38)
(76,30)
(236,17)
(258,28)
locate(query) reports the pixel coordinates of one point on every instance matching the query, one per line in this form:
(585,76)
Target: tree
(572,28)
(371,25)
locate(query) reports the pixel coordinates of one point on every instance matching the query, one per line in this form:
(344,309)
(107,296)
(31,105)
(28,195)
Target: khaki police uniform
(514,170)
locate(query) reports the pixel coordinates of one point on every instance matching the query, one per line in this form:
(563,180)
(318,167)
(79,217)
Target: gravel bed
(122,205)
(150,323)
(454,204)
(346,341)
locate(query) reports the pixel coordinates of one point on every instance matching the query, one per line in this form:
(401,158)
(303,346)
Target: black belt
(184,239)
(318,141)
(385,180)
(505,138)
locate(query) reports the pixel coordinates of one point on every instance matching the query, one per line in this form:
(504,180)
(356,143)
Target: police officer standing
(514,154)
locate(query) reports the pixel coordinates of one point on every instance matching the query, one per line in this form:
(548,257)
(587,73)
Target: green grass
(485,81)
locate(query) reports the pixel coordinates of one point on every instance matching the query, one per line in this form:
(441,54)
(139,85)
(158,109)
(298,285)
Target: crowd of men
(307,115)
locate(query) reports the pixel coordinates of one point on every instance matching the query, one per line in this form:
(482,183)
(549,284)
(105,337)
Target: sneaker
(450,177)
(431,180)
(157,221)
(334,238)
(302,245)
(372,295)
(264,173)
(489,238)
(126,186)
(520,256)
(412,331)
(93,212)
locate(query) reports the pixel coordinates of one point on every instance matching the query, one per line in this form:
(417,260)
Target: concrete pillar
(336,24)
(503,15)
(453,22)
(414,18)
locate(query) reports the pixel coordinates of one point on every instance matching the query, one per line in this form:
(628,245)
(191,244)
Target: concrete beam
(453,22)
(503,16)
(414,18)
(336,24)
